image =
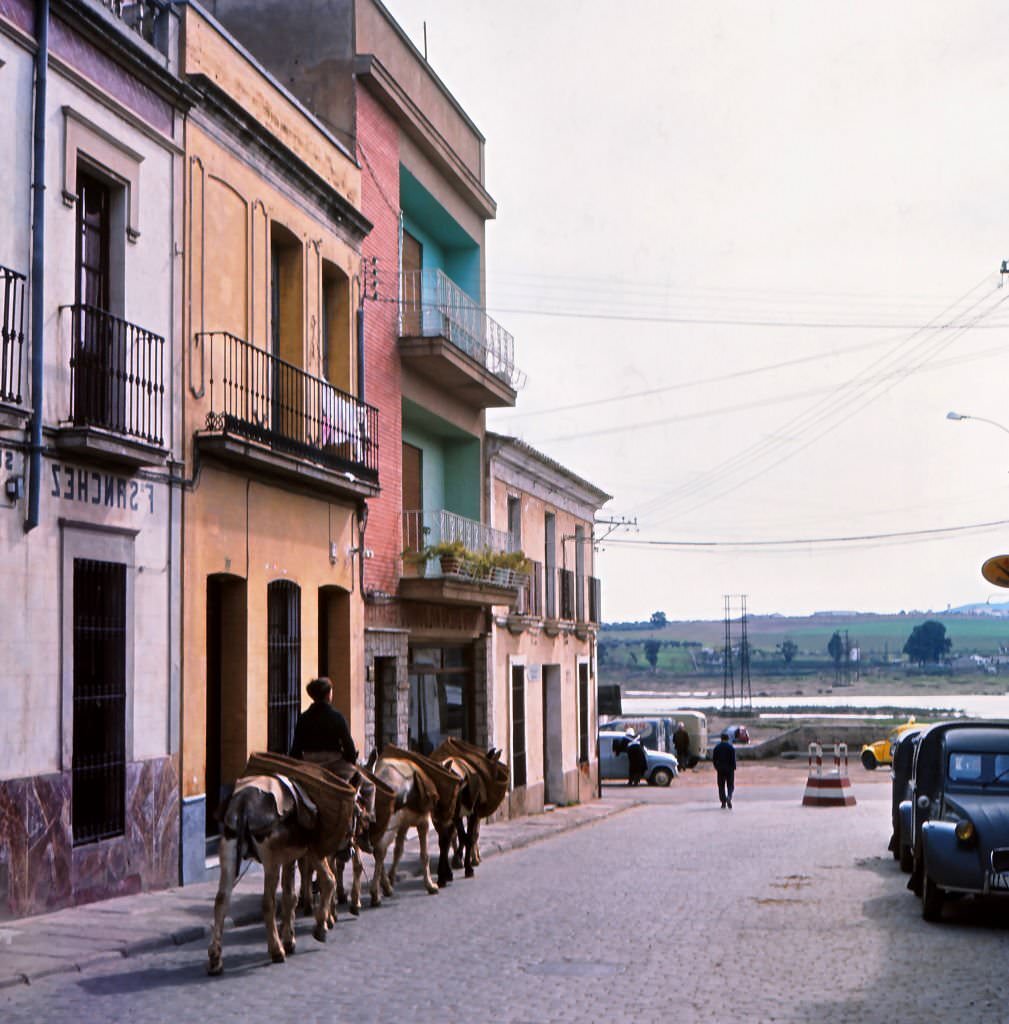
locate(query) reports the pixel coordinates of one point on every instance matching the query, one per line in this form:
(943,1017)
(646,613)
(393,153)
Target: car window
(964,767)
(1000,775)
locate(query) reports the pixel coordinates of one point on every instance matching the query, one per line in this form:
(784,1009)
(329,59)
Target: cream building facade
(90,292)
(544,649)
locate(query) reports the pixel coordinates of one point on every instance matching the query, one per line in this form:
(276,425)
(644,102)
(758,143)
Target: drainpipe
(38,260)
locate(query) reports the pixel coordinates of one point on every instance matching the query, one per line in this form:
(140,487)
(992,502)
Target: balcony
(139,15)
(117,390)
(456,580)
(12,347)
(448,339)
(268,414)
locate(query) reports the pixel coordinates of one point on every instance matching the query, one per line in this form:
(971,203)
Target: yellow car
(881,752)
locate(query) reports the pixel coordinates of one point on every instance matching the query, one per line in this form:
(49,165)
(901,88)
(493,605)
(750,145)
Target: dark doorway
(553,733)
(518,684)
(226,694)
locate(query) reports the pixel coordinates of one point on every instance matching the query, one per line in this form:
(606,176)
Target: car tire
(931,899)
(869,761)
(661,777)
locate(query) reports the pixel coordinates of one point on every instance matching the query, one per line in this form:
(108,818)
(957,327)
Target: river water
(971,705)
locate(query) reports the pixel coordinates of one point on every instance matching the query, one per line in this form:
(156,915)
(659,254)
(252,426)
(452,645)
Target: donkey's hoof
(342,899)
(278,957)
(289,946)
(215,967)
(469,872)
(319,933)
(376,901)
(355,909)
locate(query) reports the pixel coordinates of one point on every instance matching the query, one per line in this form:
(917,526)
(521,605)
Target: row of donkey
(285,812)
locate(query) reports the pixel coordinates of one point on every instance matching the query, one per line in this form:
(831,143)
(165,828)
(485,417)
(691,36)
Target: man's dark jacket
(723,757)
(321,729)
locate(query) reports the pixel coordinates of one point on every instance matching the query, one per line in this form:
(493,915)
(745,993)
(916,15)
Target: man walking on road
(723,757)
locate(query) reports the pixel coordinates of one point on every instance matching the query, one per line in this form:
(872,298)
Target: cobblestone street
(675,910)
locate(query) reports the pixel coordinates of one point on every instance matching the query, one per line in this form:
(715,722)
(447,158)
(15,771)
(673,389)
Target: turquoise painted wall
(451,462)
(447,246)
(462,478)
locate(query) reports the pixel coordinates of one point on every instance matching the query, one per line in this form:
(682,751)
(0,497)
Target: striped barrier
(831,788)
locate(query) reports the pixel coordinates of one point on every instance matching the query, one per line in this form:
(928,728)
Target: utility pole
(745,690)
(728,675)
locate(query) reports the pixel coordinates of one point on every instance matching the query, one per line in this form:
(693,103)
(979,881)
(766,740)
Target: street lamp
(980,419)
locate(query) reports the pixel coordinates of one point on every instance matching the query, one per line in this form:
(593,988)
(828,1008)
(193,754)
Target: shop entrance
(441,695)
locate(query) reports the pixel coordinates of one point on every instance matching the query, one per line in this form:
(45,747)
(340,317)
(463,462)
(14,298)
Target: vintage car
(957,815)
(901,775)
(661,767)
(881,751)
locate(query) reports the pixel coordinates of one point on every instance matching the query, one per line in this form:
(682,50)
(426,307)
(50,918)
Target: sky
(750,254)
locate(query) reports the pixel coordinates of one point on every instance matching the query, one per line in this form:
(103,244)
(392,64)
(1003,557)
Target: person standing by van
(723,757)
(681,745)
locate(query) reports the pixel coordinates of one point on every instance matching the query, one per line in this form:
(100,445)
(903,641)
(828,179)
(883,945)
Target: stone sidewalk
(75,938)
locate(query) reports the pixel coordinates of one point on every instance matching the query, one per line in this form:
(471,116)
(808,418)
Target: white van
(657,732)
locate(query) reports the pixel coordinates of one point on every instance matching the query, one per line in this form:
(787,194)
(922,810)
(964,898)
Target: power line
(857,388)
(757,402)
(801,541)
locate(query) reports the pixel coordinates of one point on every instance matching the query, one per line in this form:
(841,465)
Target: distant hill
(971,629)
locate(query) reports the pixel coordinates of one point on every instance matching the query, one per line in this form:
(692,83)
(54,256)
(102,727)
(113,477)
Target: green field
(878,637)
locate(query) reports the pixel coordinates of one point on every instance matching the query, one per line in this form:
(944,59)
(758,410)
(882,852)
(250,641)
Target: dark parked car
(957,815)
(902,762)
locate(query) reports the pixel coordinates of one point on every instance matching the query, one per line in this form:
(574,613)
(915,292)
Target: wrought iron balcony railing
(117,376)
(432,305)
(425,530)
(12,334)
(139,15)
(263,398)
(531,597)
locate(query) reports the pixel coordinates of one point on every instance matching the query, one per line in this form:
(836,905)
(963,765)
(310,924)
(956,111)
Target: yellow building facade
(280,450)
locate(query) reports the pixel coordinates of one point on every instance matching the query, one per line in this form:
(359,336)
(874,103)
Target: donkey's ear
(372,759)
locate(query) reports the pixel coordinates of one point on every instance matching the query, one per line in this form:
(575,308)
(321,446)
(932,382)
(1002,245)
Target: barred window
(99,680)
(283,613)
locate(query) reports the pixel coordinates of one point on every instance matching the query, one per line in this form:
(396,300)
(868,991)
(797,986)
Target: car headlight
(965,831)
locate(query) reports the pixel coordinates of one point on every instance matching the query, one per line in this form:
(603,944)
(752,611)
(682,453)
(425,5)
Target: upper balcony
(450,340)
(117,390)
(12,347)
(139,15)
(268,414)
(455,580)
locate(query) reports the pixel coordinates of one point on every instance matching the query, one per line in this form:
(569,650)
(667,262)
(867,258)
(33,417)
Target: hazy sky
(749,253)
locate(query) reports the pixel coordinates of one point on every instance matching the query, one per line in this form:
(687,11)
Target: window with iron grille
(583,713)
(518,758)
(99,680)
(283,615)
(567,581)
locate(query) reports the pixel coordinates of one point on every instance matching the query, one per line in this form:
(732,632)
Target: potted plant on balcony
(450,553)
(507,566)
